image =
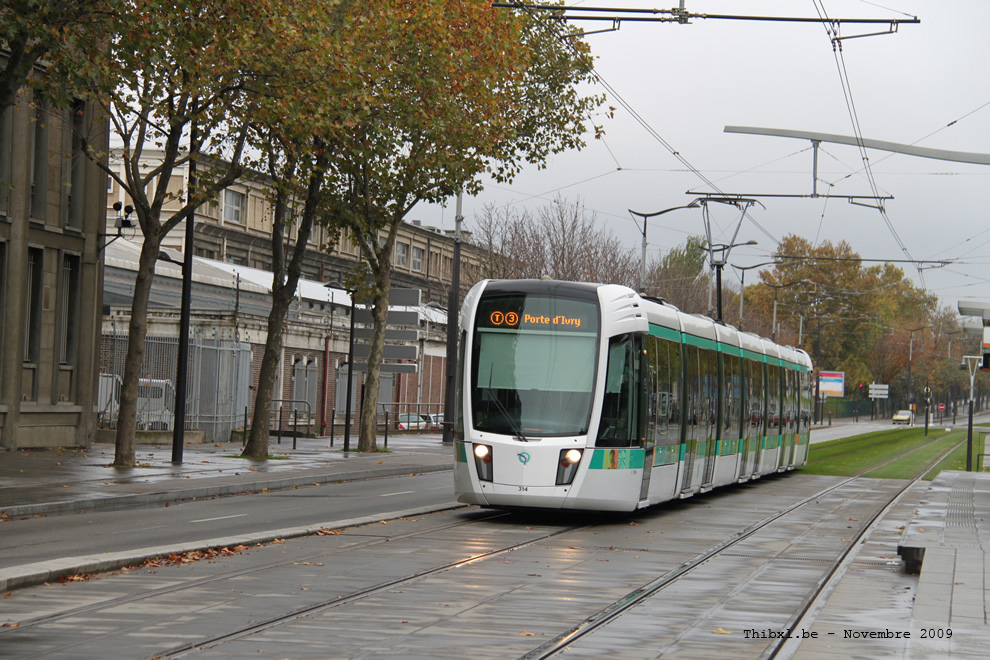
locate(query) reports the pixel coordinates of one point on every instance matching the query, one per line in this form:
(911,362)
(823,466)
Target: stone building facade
(52,217)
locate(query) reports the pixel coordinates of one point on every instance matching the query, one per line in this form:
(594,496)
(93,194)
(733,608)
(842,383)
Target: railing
(295,418)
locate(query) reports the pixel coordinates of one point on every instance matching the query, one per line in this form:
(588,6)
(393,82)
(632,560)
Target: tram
(591,397)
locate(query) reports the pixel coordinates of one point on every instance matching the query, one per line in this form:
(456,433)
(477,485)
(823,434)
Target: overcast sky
(687,82)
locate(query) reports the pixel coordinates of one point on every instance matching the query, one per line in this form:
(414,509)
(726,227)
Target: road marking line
(239,515)
(405,492)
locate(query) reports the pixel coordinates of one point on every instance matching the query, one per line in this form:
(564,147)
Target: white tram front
(587,396)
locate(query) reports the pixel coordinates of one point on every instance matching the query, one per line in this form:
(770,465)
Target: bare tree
(563,241)
(681,277)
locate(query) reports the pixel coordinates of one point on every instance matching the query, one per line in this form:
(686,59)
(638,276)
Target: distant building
(236,228)
(52,213)
(229,328)
(231,300)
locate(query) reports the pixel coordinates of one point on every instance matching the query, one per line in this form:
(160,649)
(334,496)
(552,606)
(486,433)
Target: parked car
(410,422)
(903,417)
(434,421)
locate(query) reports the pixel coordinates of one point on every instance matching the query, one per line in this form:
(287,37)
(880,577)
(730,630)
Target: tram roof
(580,290)
(697,325)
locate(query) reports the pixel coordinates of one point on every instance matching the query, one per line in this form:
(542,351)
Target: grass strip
(910,465)
(872,450)
(830,450)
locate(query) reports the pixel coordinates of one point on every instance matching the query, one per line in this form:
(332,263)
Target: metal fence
(218,386)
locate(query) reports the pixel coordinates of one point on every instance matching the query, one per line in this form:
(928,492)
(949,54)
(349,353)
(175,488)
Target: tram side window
(702,392)
(791,400)
(755,401)
(805,398)
(663,363)
(731,381)
(619,425)
(773,397)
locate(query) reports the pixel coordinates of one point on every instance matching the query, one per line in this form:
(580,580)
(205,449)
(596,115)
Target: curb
(112,502)
(27,575)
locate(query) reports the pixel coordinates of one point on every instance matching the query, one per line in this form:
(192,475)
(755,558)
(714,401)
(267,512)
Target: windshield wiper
(516,431)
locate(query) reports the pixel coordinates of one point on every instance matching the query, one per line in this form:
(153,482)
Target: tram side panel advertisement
(832,383)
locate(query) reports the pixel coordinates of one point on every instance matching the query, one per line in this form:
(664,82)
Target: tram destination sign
(518,313)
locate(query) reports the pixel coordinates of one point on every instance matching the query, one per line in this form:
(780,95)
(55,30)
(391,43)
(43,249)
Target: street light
(718,264)
(910,360)
(973,363)
(742,284)
(742,204)
(350,364)
(642,263)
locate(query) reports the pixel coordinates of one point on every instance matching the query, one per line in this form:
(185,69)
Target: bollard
(333,415)
(830,418)
(245,425)
(386,429)
(295,426)
(279,429)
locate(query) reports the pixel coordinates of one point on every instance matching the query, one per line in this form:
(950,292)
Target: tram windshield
(534,362)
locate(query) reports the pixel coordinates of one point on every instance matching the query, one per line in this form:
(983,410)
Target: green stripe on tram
(728,349)
(752,355)
(700,342)
(617,459)
(665,333)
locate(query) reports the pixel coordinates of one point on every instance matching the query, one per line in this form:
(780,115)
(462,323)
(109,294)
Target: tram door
(712,445)
(701,402)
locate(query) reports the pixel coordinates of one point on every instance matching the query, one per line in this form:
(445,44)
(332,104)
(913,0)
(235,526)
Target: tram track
(806,611)
(357,593)
(192,584)
(208,643)
(813,605)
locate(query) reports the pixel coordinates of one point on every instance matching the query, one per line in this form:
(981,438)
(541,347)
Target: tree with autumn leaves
(865,320)
(360,110)
(454,89)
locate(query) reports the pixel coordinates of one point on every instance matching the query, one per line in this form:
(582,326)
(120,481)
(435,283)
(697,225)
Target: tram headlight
(567,465)
(483,461)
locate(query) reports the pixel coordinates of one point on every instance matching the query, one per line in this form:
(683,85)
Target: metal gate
(218,387)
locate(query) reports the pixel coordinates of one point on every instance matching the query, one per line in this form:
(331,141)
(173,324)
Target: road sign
(879,391)
(941,407)
(832,383)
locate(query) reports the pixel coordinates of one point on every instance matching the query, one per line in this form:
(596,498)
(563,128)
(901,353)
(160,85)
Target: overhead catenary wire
(639,119)
(832,31)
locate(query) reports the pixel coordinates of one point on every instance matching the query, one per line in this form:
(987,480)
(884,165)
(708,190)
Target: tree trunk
(257,445)
(137,332)
(283,291)
(368,435)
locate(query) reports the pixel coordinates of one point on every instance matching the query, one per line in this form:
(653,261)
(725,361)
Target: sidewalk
(65,480)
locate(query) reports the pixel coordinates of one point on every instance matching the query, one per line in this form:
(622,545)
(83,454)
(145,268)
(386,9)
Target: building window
(32,308)
(233,206)
(3,282)
(402,254)
(417,259)
(39,158)
(76,176)
(6,134)
(68,309)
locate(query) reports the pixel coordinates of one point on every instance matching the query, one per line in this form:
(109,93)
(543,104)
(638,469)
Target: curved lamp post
(642,263)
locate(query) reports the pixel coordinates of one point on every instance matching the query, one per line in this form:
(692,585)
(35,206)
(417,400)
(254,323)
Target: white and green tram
(589,396)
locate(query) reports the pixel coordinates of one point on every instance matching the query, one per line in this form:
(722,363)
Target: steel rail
(192,584)
(816,601)
(621,605)
(357,595)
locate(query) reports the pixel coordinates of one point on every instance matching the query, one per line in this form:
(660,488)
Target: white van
(155,402)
